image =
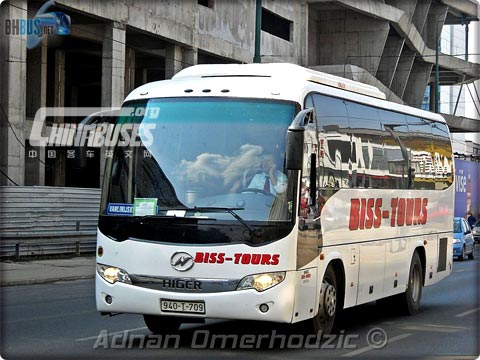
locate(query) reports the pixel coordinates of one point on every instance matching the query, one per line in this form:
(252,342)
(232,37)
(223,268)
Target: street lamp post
(437,72)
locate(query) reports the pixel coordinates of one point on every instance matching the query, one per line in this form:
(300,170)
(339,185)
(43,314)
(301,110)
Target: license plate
(178,306)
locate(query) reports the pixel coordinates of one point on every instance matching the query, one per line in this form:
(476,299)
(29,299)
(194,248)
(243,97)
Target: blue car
(463,243)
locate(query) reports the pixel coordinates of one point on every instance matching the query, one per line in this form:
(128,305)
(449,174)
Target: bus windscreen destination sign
(119,209)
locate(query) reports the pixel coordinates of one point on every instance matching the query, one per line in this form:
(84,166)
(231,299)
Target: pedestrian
(471,219)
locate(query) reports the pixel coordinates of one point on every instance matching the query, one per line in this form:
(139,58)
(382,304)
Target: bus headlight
(113,274)
(455,241)
(261,282)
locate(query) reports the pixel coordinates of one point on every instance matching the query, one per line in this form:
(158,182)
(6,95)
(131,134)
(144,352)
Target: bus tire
(162,324)
(327,307)
(409,301)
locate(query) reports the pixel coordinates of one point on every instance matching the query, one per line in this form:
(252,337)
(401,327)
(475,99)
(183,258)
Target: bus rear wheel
(327,308)
(409,301)
(162,324)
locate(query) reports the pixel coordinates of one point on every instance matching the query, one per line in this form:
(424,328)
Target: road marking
(368,348)
(434,328)
(113,333)
(467,312)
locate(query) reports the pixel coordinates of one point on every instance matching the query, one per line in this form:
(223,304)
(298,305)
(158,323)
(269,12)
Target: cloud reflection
(218,170)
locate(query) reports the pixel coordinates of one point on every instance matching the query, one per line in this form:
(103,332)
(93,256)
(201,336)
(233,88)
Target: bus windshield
(209,160)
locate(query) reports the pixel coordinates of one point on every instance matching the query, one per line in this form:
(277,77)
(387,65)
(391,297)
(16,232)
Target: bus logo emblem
(182,261)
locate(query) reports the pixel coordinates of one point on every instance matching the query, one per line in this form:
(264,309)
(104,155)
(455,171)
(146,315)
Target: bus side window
(421,150)
(396,149)
(442,156)
(336,154)
(309,192)
(367,133)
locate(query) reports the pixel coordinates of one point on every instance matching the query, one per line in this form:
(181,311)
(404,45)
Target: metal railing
(43,220)
(20,250)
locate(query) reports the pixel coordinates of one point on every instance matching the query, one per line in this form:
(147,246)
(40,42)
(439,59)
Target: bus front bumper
(239,304)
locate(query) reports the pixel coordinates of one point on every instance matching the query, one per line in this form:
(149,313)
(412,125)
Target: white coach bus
(271,192)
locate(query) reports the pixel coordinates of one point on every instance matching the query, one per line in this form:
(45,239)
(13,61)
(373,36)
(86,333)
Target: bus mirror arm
(295,136)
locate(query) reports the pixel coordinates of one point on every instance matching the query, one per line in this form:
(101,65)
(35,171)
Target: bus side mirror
(295,139)
(294,150)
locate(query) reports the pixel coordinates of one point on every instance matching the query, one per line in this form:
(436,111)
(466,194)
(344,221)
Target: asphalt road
(59,320)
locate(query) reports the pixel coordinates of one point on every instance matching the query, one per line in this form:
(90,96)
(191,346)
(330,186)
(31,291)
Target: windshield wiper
(229,210)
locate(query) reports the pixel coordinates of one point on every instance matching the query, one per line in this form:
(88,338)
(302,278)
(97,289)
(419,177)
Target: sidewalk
(46,271)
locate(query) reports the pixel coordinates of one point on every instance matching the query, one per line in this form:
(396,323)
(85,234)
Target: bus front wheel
(327,307)
(162,324)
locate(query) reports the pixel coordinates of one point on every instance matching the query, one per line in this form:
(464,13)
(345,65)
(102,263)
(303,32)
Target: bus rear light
(261,282)
(113,274)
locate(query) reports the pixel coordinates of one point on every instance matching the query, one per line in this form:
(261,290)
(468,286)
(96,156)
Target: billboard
(467,188)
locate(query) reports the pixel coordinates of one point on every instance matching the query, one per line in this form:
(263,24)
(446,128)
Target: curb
(44,281)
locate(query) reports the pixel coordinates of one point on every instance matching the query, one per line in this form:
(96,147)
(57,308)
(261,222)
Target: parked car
(463,243)
(476,231)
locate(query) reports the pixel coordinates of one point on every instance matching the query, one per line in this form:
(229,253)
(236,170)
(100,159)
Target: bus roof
(280,81)
(280,71)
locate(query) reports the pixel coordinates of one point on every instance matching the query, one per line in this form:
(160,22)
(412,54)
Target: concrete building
(463,100)
(115,46)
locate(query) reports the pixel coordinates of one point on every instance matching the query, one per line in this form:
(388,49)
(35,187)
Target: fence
(42,220)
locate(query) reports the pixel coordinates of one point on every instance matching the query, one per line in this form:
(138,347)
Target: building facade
(115,46)
(462,100)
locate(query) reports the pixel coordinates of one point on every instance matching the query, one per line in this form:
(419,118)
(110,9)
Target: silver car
(476,231)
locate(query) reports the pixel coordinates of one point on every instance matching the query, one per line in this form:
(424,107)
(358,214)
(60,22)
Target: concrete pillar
(113,64)
(13,69)
(173,60)
(59,78)
(389,61)
(36,99)
(113,72)
(129,70)
(59,101)
(190,57)
(348,37)
(407,6)
(402,72)
(312,38)
(434,23)
(417,83)
(420,14)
